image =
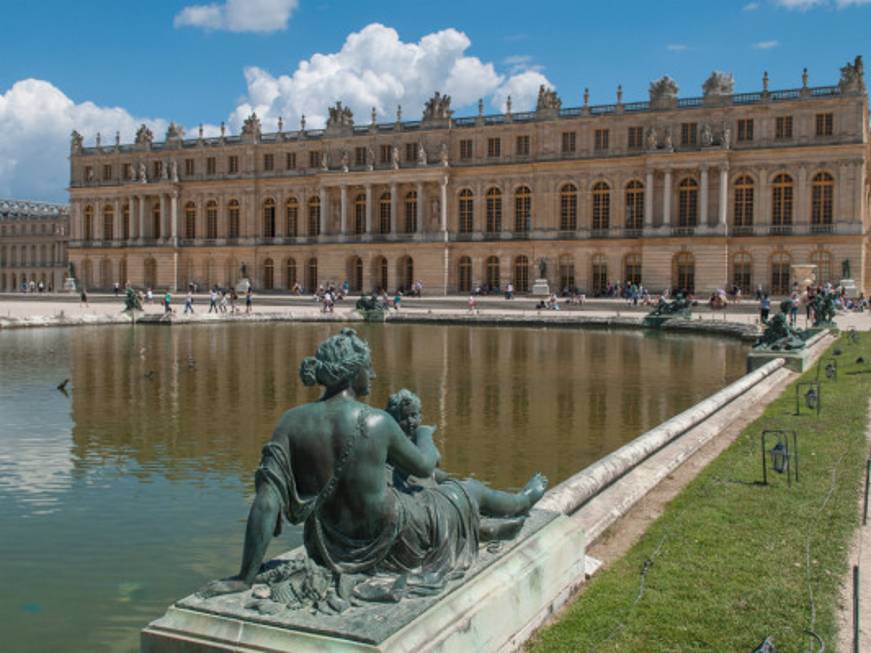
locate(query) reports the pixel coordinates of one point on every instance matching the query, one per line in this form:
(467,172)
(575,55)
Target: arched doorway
(566,273)
(311,275)
(290,273)
(268,274)
(492,273)
(379,273)
(355,274)
(684,273)
(780,263)
(521,274)
(464,274)
(405,273)
(106,280)
(599,275)
(150,273)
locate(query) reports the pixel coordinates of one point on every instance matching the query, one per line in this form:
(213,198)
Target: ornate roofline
(13,208)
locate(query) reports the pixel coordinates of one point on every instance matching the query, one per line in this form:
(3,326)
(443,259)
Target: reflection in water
(134,490)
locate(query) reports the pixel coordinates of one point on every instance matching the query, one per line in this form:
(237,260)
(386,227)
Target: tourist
(83,298)
(509,291)
(116,287)
(473,303)
(167,302)
(233,299)
(149,296)
(764,308)
(189,302)
(249,300)
(213,300)
(223,306)
(397,299)
(418,288)
(793,308)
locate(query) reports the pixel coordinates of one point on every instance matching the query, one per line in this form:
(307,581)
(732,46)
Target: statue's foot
(500,529)
(220,587)
(535,488)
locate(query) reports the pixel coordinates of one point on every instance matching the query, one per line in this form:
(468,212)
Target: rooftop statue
(251,127)
(438,107)
(76,142)
(718,84)
(778,335)
(340,117)
(547,100)
(663,93)
(853,77)
(365,539)
(144,136)
(174,132)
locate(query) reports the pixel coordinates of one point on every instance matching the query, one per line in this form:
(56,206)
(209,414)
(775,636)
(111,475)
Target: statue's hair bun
(308,370)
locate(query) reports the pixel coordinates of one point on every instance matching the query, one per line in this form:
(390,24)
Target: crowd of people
(806,299)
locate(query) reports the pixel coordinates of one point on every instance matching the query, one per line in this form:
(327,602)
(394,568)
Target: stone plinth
(69,285)
(498,604)
(849,287)
(540,287)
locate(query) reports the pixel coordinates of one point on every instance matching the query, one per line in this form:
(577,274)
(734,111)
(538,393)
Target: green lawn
(729,557)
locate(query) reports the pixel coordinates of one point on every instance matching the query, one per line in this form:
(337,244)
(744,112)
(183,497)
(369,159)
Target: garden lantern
(782,456)
(779,457)
(830,370)
(808,395)
(811,398)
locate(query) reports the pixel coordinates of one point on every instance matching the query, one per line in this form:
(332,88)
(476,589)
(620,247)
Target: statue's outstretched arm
(418,460)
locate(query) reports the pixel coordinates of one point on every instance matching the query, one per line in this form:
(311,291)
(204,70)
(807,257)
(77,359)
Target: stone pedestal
(540,287)
(849,287)
(243,285)
(69,285)
(503,598)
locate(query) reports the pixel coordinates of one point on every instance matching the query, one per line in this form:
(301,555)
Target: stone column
(116,225)
(394,214)
(703,213)
(325,210)
(724,197)
(141,217)
(421,199)
(444,206)
(164,217)
(762,201)
(648,199)
(173,216)
(343,211)
(666,198)
(131,216)
(801,201)
(369,226)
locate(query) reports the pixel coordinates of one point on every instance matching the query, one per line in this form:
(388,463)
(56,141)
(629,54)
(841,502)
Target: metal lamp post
(783,458)
(808,393)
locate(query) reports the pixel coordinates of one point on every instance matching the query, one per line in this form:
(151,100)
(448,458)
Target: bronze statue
(365,540)
(824,309)
(778,335)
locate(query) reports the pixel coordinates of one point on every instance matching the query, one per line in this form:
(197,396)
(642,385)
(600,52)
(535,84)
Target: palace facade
(33,244)
(694,193)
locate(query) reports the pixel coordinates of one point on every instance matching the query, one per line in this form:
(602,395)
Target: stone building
(33,244)
(696,193)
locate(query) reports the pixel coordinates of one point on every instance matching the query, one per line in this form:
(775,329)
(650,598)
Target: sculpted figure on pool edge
(325,467)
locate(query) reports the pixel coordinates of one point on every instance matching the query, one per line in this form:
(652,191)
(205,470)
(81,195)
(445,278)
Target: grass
(733,561)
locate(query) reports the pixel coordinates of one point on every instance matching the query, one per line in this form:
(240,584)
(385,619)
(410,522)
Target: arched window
(405,273)
(521,274)
(687,203)
(291,215)
(190,221)
(122,271)
(314,221)
(290,273)
(268,274)
(492,274)
(684,273)
(466,211)
(212,219)
(233,219)
(411,212)
(269,218)
(379,273)
(601,205)
(632,269)
(155,221)
(781,200)
(568,208)
(360,214)
(125,221)
(88,226)
(464,274)
(384,214)
(634,205)
(744,201)
(311,274)
(823,261)
(522,209)
(742,272)
(822,194)
(355,274)
(599,276)
(108,223)
(566,268)
(780,263)
(494,210)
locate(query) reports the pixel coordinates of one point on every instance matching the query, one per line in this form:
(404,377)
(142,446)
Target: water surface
(134,489)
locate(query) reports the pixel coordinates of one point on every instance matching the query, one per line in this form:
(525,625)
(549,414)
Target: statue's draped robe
(430,536)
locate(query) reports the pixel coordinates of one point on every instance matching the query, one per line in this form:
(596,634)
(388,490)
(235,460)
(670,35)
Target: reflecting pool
(133,490)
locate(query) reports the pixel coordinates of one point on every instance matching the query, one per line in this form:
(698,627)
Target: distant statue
(144,137)
(370,158)
(666,141)
(365,538)
(345,161)
(370,308)
(542,268)
(324,163)
(421,155)
(845,269)
(174,132)
(394,157)
(164,170)
(663,93)
(651,139)
(824,309)
(778,335)
(76,142)
(718,84)
(251,127)
(726,139)
(707,136)
(143,175)
(438,108)
(547,99)
(444,155)
(680,307)
(132,302)
(853,77)
(173,170)
(340,118)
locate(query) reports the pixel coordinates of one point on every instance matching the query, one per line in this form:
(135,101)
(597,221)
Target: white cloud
(766,45)
(374,68)
(751,6)
(36,120)
(676,47)
(804,5)
(238,15)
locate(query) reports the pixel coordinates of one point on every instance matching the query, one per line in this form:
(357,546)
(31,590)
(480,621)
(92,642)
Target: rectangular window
(211,165)
(411,152)
(189,168)
(745,130)
(494,148)
(127,171)
(466,149)
(783,127)
(688,131)
(569,142)
(522,146)
(290,161)
(359,156)
(386,153)
(824,124)
(268,162)
(601,139)
(107,172)
(314,159)
(635,138)
(233,164)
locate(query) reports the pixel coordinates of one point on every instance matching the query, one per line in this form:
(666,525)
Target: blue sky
(106,66)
